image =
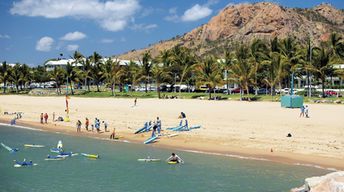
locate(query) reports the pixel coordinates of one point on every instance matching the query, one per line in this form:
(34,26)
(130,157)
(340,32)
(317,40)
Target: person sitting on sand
(175,158)
(113,134)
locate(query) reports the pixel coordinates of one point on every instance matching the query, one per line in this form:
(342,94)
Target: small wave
(22,127)
(226,155)
(316,166)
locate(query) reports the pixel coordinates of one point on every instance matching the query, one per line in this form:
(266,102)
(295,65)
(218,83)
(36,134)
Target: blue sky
(33,31)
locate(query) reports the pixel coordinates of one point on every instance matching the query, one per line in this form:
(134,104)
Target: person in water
(175,158)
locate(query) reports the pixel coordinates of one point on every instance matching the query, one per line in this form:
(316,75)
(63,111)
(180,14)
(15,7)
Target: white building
(51,65)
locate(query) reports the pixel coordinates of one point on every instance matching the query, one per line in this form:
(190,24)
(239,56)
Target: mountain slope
(245,22)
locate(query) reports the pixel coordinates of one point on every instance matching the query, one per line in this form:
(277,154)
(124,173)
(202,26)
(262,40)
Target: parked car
(331,93)
(263,91)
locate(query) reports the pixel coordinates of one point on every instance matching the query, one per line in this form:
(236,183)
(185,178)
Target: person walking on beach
(302,111)
(42,118)
(105,125)
(113,134)
(306,111)
(46,117)
(53,116)
(78,126)
(135,101)
(87,122)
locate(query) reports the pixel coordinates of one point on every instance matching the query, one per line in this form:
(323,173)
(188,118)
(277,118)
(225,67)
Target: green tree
(16,76)
(243,71)
(4,74)
(146,63)
(209,73)
(58,75)
(97,70)
(113,73)
(226,64)
(133,73)
(159,73)
(73,75)
(322,66)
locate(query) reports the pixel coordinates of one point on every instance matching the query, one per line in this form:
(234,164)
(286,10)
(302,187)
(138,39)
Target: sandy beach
(228,127)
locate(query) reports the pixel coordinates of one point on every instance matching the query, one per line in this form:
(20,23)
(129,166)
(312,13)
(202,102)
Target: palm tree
(276,70)
(58,75)
(259,53)
(73,75)
(227,63)
(322,66)
(16,76)
(243,71)
(4,74)
(146,67)
(113,73)
(209,73)
(133,73)
(79,59)
(160,73)
(336,44)
(97,69)
(87,72)
(27,74)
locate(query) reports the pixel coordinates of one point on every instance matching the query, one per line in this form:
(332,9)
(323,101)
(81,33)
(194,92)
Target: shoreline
(329,164)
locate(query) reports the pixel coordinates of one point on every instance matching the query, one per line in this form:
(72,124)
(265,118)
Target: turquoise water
(119,170)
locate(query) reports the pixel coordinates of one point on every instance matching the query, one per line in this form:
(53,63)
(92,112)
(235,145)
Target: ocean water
(119,170)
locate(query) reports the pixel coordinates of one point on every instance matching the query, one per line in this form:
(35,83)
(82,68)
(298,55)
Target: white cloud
(73,36)
(44,44)
(196,12)
(172,15)
(72,47)
(111,15)
(144,27)
(107,40)
(4,36)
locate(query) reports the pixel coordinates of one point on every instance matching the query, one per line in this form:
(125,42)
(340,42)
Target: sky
(33,31)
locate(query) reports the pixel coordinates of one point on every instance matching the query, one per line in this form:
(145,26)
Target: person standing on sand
(78,126)
(306,111)
(113,134)
(135,101)
(302,113)
(105,125)
(42,118)
(87,122)
(158,123)
(46,117)
(53,116)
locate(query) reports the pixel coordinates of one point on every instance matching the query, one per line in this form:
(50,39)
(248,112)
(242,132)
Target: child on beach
(42,118)
(46,117)
(302,113)
(78,126)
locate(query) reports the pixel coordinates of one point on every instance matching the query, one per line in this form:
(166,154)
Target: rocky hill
(245,22)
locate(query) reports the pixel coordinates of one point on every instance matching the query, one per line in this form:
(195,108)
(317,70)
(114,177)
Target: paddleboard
(9,148)
(18,165)
(150,140)
(55,150)
(172,135)
(33,145)
(140,130)
(195,127)
(149,160)
(90,155)
(54,158)
(172,162)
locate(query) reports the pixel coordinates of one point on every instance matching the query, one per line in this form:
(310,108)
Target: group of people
(96,125)
(304,111)
(44,117)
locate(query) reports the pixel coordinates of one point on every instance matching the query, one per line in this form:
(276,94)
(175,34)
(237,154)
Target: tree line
(249,65)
